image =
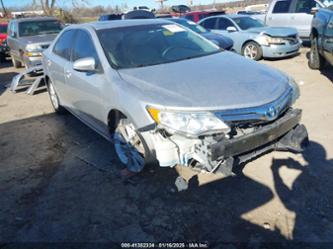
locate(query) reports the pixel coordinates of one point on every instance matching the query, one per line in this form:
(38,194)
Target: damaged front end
(246,135)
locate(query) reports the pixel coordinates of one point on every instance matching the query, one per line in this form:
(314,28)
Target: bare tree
(4,9)
(48,6)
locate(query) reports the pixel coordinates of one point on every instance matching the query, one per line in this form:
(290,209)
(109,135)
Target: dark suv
(321,39)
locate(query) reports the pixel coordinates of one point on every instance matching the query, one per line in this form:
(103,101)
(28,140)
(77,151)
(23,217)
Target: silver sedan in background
(252,38)
(161,92)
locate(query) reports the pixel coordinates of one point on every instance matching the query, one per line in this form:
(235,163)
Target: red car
(196,16)
(3,31)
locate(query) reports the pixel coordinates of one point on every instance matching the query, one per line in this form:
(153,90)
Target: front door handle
(68,73)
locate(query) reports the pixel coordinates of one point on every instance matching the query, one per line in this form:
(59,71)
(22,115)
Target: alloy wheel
(250,51)
(128,146)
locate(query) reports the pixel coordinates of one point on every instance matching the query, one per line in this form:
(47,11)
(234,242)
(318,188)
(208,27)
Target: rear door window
(63,45)
(224,23)
(305,6)
(209,23)
(282,7)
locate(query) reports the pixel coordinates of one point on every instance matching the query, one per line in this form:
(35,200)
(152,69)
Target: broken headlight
(266,40)
(189,123)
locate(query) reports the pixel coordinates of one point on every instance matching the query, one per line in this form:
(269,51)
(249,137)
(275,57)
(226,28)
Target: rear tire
(252,50)
(129,146)
(54,98)
(16,64)
(316,61)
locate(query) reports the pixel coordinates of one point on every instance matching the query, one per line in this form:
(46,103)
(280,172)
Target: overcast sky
(130,3)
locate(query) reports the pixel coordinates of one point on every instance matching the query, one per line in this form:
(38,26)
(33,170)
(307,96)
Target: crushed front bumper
(280,51)
(283,134)
(220,154)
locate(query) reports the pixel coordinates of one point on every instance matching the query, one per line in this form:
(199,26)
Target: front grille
(259,114)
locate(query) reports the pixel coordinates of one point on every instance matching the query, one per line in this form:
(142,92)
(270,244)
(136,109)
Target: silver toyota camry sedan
(162,93)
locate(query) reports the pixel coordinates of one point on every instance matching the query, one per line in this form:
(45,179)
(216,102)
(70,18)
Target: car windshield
(192,25)
(3,29)
(32,28)
(144,45)
(247,22)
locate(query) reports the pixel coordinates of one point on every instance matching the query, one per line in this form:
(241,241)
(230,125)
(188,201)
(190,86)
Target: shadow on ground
(59,183)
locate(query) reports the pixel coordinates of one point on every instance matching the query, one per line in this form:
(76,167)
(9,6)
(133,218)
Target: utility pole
(161,2)
(4,9)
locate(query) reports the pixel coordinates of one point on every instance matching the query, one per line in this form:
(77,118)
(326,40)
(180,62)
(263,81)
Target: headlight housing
(33,50)
(190,124)
(268,40)
(295,87)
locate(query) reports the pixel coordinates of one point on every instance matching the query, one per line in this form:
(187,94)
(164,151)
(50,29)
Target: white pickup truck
(292,13)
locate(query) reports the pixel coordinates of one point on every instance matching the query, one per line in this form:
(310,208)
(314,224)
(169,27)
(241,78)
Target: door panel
(57,64)
(279,14)
(328,41)
(85,88)
(57,69)
(12,41)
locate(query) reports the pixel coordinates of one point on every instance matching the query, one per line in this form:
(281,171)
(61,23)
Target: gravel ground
(59,182)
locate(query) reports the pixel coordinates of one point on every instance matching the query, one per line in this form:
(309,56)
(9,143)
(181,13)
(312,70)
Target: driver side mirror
(87,64)
(231,29)
(314,10)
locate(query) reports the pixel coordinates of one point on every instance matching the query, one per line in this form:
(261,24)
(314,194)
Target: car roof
(229,16)
(120,23)
(27,19)
(197,12)
(177,19)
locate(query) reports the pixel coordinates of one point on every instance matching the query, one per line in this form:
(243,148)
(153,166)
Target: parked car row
(253,39)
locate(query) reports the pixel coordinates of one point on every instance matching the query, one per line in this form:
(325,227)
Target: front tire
(129,146)
(252,50)
(54,98)
(316,61)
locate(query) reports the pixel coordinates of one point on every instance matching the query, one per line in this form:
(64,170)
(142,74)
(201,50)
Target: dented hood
(220,81)
(274,31)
